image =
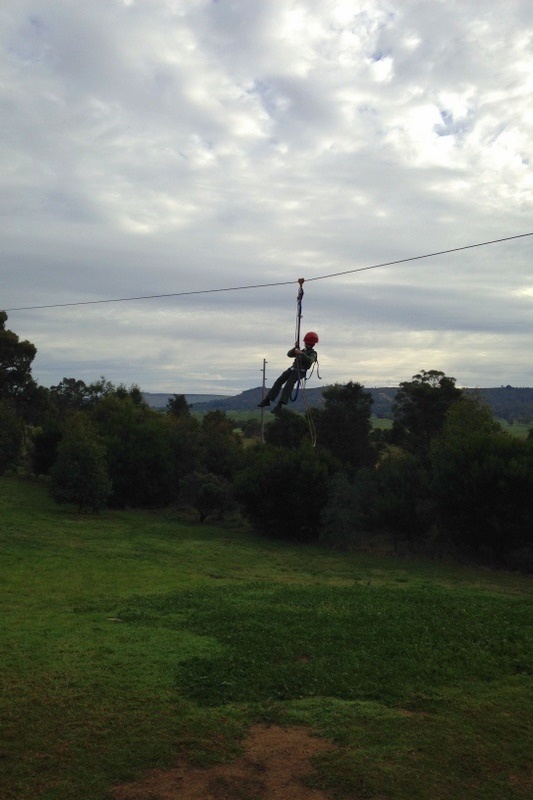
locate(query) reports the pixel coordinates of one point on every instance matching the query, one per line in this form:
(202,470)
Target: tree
(209,494)
(221,446)
(44,443)
(69,395)
(287,430)
(140,451)
(178,406)
(11,435)
(16,358)
(482,481)
(349,513)
(344,425)
(184,438)
(284,491)
(403,504)
(420,408)
(79,475)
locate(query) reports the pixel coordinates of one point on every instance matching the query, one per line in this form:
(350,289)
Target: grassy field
(519,429)
(130,640)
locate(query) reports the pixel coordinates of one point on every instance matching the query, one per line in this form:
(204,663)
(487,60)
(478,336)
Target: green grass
(518,429)
(130,639)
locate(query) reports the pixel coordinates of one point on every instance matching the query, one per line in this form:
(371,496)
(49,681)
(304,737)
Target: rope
(309,414)
(299,299)
(278,283)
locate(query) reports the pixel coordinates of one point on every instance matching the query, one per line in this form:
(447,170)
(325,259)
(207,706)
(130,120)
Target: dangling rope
(310,420)
(299,299)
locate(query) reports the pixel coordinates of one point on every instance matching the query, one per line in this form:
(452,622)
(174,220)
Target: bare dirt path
(273,766)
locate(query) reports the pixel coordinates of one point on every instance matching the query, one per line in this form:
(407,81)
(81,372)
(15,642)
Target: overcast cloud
(163,146)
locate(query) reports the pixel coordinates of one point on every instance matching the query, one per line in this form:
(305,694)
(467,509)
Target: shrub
(79,475)
(11,436)
(209,494)
(284,491)
(45,442)
(403,504)
(344,425)
(140,452)
(483,482)
(350,509)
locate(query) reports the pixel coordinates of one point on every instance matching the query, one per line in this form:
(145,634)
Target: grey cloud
(150,148)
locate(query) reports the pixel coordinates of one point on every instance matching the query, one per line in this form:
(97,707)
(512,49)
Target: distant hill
(160,400)
(507,402)
(248,400)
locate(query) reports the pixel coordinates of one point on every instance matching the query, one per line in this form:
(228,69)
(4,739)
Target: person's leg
(276,388)
(289,386)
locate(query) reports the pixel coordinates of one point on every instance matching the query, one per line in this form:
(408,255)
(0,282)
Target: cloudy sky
(159,147)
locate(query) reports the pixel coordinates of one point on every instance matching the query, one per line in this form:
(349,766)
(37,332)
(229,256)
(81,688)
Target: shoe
(264,403)
(278,409)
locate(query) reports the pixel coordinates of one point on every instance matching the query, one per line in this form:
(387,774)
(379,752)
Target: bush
(221,446)
(483,482)
(45,442)
(344,425)
(284,491)
(11,436)
(209,494)
(403,504)
(79,475)
(287,430)
(350,509)
(140,452)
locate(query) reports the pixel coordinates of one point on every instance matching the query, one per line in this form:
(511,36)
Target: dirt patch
(273,766)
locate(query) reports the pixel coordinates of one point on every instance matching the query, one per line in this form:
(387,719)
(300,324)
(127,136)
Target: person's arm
(305,358)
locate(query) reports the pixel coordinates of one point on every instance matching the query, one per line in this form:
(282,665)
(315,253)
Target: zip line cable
(278,283)
(417,258)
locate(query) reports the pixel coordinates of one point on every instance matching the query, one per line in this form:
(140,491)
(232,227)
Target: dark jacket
(305,360)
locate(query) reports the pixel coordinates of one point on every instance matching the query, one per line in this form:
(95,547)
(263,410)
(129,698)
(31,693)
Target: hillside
(160,399)
(507,402)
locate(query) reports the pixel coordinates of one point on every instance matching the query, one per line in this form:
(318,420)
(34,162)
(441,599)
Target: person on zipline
(303,360)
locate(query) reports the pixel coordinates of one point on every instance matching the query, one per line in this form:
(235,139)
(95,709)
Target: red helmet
(311,338)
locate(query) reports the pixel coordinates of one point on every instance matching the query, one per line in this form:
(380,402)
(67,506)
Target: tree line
(446,478)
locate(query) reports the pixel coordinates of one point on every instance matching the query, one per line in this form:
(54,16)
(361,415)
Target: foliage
(287,430)
(344,425)
(69,395)
(178,406)
(16,357)
(483,481)
(284,491)
(420,407)
(185,442)
(44,443)
(74,395)
(403,504)
(11,435)
(140,452)
(251,427)
(79,475)
(209,494)
(221,445)
(350,512)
